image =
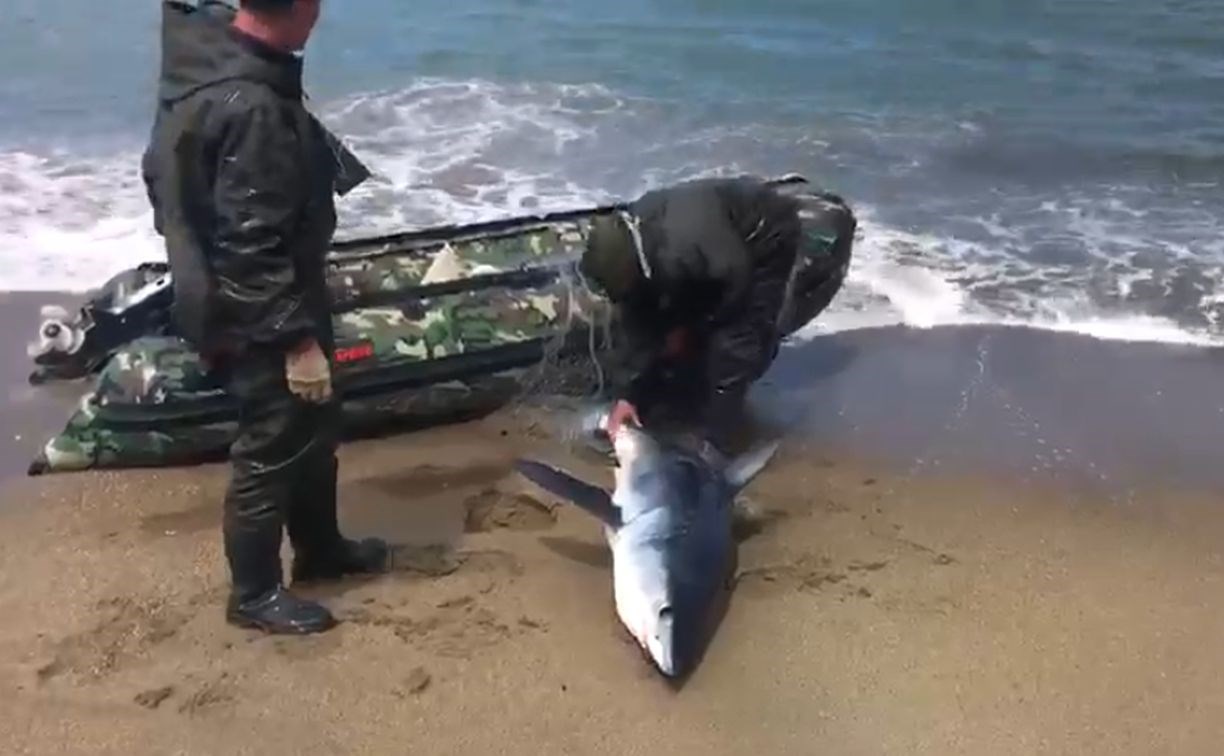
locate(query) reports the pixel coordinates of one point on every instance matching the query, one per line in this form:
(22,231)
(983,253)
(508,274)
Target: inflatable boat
(433,325)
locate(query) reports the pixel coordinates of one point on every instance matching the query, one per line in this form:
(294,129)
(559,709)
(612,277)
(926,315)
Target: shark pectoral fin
(746,466)
(591,498)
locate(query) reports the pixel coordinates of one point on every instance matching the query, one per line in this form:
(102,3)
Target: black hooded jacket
(241,178)
(719,253)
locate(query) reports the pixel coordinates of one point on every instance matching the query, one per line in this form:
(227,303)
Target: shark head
(671,630)
(656,485)
(676,544)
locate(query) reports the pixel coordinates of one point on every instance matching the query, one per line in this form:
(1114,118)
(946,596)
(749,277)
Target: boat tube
(432,326)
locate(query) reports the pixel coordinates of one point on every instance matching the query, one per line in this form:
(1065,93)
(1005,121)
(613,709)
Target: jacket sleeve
(744,298)
(258,196)
(151,176)
(744,333)
(636,358)
(713,262)
(743,343)
(350,171)
(708,264)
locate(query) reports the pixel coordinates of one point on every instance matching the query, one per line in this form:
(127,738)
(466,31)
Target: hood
(199,48)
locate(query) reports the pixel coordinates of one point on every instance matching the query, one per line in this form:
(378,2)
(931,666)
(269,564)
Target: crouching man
(698,272)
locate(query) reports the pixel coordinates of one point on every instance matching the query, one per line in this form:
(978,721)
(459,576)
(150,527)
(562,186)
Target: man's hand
(307,372)
(621,412)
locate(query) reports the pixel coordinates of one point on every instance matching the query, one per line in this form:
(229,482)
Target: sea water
(1056,164)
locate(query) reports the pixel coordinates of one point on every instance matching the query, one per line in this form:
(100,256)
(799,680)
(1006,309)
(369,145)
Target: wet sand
(1014,401)
(885,606)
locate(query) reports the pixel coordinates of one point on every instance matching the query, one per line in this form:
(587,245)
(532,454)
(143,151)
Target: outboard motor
(131,304)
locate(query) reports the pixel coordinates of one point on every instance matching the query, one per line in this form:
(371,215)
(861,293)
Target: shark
(668,523)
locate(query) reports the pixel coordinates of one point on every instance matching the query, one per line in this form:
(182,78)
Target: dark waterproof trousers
(283,475)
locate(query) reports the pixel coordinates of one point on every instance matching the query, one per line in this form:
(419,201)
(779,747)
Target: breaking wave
(920,280)
(1104,265)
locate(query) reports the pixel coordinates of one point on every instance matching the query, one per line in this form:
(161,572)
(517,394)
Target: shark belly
(639,576)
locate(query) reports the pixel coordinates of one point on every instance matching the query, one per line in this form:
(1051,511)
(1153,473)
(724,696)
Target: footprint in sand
(128,628)
(457,628)
(809,573)
(431,561)
(415,683)
(439,560)
(209,696)
(151,699)
(429,480)
(492,509)
(310,648)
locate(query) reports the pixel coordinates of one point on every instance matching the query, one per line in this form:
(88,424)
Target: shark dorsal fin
(593,499)
(745,467)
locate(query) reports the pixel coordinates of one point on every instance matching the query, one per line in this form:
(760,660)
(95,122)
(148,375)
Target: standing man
(699,272)
(241,178)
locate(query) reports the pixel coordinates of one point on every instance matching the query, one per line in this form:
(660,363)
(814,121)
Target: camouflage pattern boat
(432,326)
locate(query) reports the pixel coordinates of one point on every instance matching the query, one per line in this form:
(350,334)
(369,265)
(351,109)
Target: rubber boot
(347,557)
(320,552)
(258,600)
(279,612)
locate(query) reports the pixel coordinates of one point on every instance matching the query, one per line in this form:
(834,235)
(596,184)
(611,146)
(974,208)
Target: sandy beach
(927,576)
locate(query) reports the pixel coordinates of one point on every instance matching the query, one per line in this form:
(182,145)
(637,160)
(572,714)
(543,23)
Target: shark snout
(660,642)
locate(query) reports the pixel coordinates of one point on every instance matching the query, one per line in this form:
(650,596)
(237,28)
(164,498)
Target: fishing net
(564,390)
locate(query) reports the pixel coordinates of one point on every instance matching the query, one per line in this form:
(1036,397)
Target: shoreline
(1015,402)
(967,397)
